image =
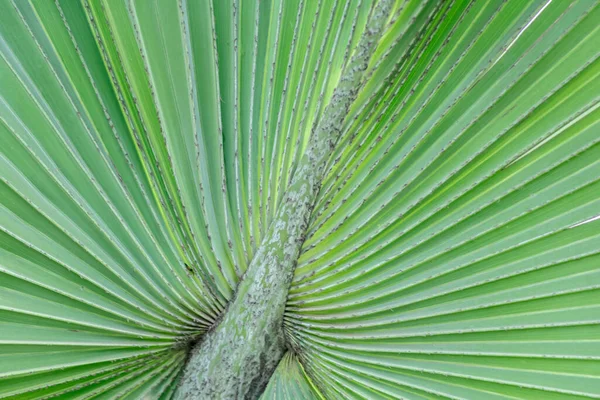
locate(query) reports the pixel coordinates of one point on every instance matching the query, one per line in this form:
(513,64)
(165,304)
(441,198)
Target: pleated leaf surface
(453,252)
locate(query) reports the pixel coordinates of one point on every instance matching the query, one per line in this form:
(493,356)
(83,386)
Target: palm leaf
(290,382)
(145,147)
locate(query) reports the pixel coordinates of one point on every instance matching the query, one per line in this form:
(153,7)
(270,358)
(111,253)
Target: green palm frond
(290,382)
(453,249)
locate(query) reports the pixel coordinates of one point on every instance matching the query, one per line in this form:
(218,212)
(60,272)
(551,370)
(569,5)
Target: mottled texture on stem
(236,359)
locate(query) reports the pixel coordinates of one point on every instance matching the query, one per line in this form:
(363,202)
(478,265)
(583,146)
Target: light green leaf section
(453,251)
(145,146)
(290,382)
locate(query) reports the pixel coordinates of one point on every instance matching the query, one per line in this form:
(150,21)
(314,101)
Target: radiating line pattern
(453,252)
(290,382)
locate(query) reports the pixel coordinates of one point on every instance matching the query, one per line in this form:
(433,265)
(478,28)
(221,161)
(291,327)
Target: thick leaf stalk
(236,359)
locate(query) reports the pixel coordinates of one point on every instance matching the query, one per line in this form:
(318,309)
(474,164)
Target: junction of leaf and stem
(236,358)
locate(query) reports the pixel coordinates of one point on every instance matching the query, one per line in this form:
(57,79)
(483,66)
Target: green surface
(145,147)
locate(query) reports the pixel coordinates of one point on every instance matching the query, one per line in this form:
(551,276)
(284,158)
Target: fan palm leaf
(449,248)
